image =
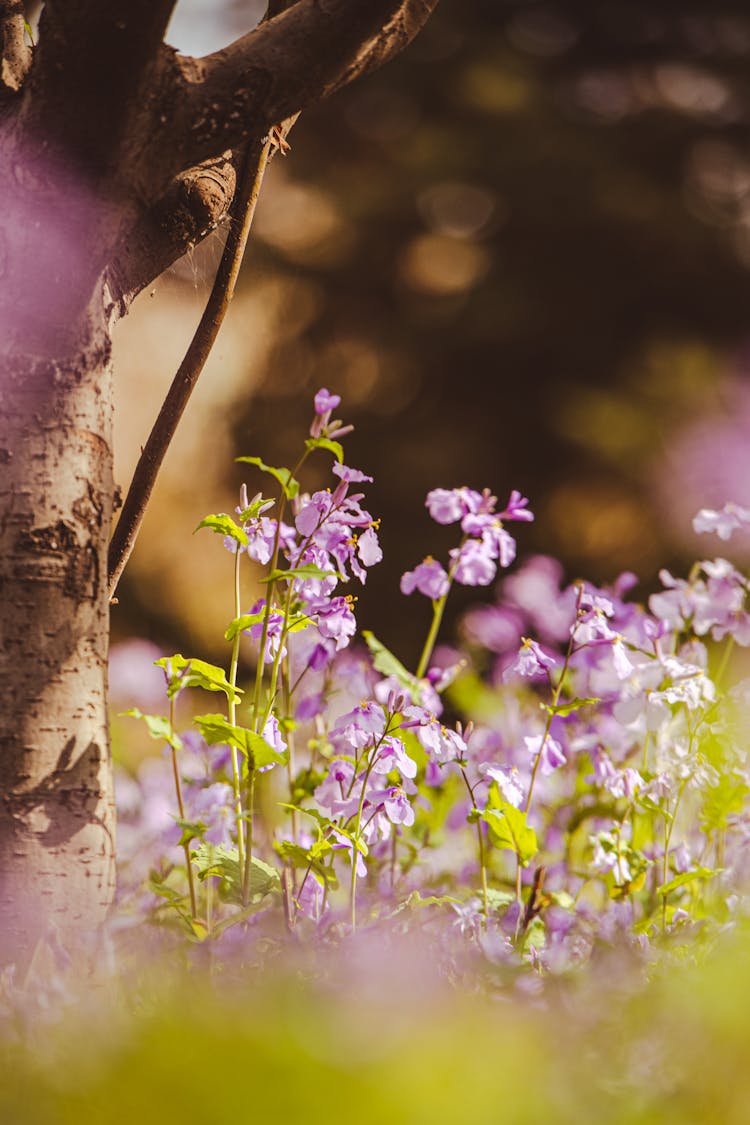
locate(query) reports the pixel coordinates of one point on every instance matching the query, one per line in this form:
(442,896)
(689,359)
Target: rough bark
(116,155)
(56,805)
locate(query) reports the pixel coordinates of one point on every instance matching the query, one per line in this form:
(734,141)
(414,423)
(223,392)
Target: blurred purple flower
(428,577)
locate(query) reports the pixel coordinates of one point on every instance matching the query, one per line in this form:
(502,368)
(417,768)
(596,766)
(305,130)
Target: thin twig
(154,451)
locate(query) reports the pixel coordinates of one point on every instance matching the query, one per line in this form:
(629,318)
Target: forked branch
(298,57)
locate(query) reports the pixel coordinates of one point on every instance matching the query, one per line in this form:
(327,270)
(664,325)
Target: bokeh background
(521,253)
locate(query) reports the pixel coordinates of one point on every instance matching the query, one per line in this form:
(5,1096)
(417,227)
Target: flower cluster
(485,543)
(574,771)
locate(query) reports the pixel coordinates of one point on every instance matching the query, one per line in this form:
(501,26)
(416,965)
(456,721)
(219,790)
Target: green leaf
(509,830)
(496,899)
(263,503)
(241,623)
(159,887)
(728,797)
(308,570)
(568,708)
(184,673)
(388,664)
(283,476)
(191,830)
(563,899)
(222,861)
(333,447)
(259,753)
(223,524)
(158,727)
(685,878)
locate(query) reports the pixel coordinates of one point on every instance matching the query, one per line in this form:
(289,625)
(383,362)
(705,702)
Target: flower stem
(480,841)
(232,715)
(438,608)
(250,800)
(181,807)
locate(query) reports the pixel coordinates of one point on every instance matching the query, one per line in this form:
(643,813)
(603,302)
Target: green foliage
(508,827)
(158,727)
(258,753)
(333,447)
(222,862)
(289,485)
(185,673)
(223,524)
(389,665)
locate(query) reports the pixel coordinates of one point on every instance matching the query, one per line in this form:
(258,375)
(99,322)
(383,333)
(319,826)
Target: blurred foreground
(379,1035)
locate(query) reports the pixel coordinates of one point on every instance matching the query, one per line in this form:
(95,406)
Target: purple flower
(368,547)
(531,660)
(392,756)
(313,512)
(273,636)
(350,476)
(396,805)
(260,534)
(724,522)
(344,843)
(335,621)
(311,897)
(337,793)
(325,402)
(517,508)
(272,734)
(551,751)
(508,782)
(133,677)
(472,564)
(360,727)
(429,578)
(445,505)
(443,744)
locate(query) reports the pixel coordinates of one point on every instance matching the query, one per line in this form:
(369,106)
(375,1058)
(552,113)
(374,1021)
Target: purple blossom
(311,897)
(273,636)
(531,660)
(428,577)
(368,547)
(396,805)
(392,756)
(312,512)
(272,734)
(551,751)
(472,564)
(350,476)
(336,621)
(517,508)
(325,402)
(445,505)
(508,782)
(443,744)
(724,522)
(344,843)
(261,534)
(449,505)
(360,727)
(338,794)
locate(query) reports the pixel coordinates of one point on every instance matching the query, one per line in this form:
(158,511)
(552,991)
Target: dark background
(530,270)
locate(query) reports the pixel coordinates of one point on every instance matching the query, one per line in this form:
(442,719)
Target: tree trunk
(56,803)
(116,156)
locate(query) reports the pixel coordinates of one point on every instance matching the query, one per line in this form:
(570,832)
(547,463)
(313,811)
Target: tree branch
(300,56)
(195,203)
(90,78)
(154,451)
(15,51)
